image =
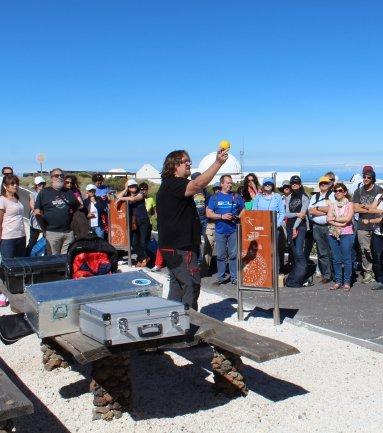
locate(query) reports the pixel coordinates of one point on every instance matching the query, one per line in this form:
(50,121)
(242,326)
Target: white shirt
(377,226)
(93,209)
(322,202)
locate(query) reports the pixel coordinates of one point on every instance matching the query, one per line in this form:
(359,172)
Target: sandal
(346,287)
(335,286)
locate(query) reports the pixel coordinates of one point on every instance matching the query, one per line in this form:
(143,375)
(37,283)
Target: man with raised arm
(179,232)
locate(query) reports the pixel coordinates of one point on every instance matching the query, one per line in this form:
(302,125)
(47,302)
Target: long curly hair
(246,195)
(7,180)
(171,161)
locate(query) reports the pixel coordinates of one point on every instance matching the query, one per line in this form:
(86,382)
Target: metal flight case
(133,320)
(53,308)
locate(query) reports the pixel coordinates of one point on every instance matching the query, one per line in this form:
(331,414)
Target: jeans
(297,275)
(98,231)
(10,248)
(377,245)
(341,254)
(320,233)
(140,239)
(185,279)
(33,236)
(226,245)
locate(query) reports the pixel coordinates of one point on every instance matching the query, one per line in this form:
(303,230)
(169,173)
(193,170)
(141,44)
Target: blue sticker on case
(141,282)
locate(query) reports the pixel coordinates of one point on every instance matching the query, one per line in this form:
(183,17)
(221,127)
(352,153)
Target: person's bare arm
(2,211)
(359,208)
(31,203)
(40,218)
(206,177)
(217,216)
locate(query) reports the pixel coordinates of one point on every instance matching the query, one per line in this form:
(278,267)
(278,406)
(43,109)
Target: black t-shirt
(57,208)
(178,221)
(138,209)
(362,196)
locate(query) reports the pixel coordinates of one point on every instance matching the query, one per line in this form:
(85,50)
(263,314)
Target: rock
(103,409)
(108,416)
(99,401)
(117,414)
(96,416)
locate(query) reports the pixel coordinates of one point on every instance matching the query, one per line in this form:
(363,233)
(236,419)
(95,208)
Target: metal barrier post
(239,274)
(276,312)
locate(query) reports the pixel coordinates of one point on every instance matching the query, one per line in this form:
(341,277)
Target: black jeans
(297,275)
(185,278)
(321,233)
(377,245)
(140,239)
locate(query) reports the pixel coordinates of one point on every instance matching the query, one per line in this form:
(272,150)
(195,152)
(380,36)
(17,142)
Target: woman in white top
(377,239)
(12,232)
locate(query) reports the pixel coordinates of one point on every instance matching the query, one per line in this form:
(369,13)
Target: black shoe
(218,282)
(234,282)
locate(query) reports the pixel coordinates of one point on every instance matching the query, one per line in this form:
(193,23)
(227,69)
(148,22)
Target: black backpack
(91,244)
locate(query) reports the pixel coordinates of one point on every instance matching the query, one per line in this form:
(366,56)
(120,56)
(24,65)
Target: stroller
(91,256)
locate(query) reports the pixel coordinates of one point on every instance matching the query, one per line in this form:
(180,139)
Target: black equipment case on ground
(22,271)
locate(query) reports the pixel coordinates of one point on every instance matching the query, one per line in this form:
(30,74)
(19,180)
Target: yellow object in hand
(224,144)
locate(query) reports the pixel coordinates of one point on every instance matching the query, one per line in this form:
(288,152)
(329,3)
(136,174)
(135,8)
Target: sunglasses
(295,183)
(251,179)
(57,176)
(186,161)
(323,183)
(332,179)
(367,177)
(268,184)
(13,183)
(68,181)
(339,190)
(7,174)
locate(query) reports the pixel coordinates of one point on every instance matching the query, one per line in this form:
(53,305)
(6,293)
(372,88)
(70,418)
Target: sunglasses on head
(339,190)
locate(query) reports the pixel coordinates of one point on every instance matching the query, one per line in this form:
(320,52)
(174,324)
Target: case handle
(151,330)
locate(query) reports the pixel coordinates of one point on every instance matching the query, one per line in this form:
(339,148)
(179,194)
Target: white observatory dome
(231,166)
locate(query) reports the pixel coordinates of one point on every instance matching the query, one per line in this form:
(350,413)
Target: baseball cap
(91,187)
(295,179)
(268,180)
(324,179)
(39,179)
(132,182)
(195,175)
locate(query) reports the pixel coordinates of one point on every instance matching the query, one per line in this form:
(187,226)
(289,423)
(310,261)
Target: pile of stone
(111,387)
(228,378)
(52,359)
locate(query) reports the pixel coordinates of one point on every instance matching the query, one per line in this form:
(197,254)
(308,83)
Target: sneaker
(368,278)
(218,282)
(155,269)
(308,283)
(234,282)
(377,286)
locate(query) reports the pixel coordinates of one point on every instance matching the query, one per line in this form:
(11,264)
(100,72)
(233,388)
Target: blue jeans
(297,275)
(99,232)
(226,245)
(11,248)
(341,254)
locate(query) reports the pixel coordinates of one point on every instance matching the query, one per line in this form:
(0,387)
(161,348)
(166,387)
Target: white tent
(148,172)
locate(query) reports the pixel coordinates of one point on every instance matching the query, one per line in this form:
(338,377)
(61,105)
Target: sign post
(257,258)
(119,227)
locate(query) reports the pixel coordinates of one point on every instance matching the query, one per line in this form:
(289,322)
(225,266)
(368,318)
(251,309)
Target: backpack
(317,196)
(91,256)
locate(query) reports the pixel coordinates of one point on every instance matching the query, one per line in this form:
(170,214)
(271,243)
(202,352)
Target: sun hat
(132,182)
(91,187)
(39,179)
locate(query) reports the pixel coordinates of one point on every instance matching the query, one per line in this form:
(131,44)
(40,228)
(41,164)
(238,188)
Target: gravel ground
(331,386)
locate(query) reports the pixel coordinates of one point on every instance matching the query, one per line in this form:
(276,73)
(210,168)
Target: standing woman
(12,232)
(35,229)
(297,204)
(341,237)
(251,187)
(139,219)
(95,208)
(71,183)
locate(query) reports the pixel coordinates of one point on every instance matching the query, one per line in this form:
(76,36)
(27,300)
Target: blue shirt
(221,203)
(273,203)
(102,191)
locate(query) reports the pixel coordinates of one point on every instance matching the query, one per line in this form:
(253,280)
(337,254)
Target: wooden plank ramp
(13,403)
(238,340)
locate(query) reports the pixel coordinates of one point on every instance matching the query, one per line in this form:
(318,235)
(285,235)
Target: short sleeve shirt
(13,224)
(362,196)
(178,221)
(57,208)
(222,203)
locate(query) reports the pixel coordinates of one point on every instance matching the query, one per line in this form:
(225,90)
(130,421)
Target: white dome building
(231,166)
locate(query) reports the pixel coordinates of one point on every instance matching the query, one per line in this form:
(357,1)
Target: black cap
(295,179)
(195,175)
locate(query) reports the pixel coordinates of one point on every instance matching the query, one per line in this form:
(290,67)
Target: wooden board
(119,231)
(13,402)
(238,340)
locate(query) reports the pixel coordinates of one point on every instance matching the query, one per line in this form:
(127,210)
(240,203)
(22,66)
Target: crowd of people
(345,226)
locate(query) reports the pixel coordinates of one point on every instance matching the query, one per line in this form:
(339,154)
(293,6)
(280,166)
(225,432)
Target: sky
(97,85)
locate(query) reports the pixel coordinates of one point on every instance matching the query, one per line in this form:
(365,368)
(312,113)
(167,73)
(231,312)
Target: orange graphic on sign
(118,223)
(256,261)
